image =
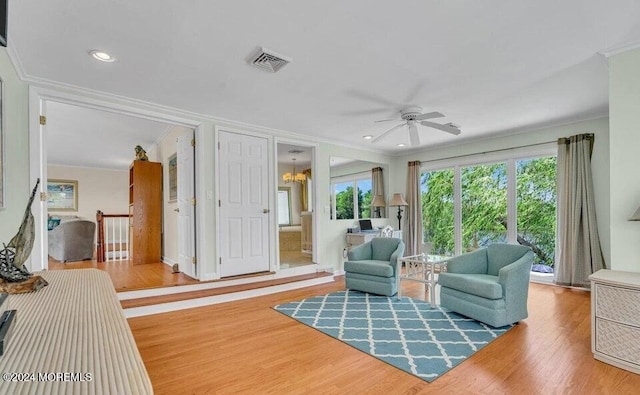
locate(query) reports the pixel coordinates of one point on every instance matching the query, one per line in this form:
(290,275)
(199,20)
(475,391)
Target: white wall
(624,113)
(332,237)
(98,189)
(15,149)
(599,162)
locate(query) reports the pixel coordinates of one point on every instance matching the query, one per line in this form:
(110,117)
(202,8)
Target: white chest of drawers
(615,318)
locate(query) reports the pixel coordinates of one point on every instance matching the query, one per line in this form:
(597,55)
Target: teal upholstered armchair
(490,284)
(371,267)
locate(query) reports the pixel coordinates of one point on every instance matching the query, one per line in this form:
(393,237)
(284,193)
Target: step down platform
(137,303)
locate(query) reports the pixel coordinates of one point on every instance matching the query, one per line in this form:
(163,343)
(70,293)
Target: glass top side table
(421,268)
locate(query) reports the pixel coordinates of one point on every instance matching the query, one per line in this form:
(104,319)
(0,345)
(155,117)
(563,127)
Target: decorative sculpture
(141,154)
(15,254)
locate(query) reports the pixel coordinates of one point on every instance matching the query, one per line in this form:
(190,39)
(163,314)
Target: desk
(422,268)
(355,239)
(73,325)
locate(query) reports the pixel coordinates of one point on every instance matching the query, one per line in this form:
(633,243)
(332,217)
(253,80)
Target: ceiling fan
(413,116)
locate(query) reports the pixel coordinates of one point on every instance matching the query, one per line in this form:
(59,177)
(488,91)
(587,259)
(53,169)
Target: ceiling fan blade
(393,129)
(429,115)
(444,128)
(415,92)
(413,135)
(372,97)
(387,120)
(372,111)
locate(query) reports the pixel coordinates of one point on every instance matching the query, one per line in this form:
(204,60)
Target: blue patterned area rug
(405,333)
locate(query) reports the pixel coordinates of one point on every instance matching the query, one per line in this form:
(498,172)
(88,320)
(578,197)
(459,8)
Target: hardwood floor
(128,277)
(247,347)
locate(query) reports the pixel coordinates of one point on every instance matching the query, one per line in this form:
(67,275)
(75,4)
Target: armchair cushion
(372,267)
(483,285)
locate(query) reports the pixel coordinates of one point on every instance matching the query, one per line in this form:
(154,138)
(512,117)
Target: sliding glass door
(468,206)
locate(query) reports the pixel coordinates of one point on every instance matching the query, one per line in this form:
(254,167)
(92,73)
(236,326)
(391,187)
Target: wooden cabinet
(615,318)
(145,212)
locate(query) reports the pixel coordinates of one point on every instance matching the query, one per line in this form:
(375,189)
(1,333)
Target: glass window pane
(343,192)
(536,206)
(437,212)
(364,198)
(484,205)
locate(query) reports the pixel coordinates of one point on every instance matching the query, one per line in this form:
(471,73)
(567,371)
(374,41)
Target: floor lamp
(398,200)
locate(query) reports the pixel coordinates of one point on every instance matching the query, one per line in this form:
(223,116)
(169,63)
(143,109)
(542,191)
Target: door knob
(177,210)
(266,210)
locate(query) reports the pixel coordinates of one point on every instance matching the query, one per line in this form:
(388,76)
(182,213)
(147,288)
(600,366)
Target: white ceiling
(85,137)
(491,66)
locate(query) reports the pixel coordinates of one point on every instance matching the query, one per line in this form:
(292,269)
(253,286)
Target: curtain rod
(352,174)
(489,152)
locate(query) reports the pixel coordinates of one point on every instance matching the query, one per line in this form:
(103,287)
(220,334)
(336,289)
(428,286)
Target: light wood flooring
(248,348)
(128,277)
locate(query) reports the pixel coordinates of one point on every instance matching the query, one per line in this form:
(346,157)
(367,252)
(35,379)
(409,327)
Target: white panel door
(244,203)
(186,209)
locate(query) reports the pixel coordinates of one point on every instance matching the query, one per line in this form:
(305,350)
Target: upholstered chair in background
(371,266)
(72,241)
(490,284)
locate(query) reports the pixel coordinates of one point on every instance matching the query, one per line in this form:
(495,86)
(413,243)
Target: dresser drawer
(618,341)
(618,304)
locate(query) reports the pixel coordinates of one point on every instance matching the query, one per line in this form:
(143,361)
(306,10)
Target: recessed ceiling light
(401,145)
(367,137)
(102,56)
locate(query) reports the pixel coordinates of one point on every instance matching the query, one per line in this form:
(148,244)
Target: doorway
(295,205)
(84,144)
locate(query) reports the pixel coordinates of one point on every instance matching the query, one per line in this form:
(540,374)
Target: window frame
(510,156)
(353,179)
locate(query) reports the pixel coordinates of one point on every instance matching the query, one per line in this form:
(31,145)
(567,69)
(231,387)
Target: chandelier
(293,176)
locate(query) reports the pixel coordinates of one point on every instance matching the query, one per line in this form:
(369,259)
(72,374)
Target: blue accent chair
(490,284)
(371,266)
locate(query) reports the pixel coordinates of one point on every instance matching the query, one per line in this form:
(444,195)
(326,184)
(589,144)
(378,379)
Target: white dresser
(615,318)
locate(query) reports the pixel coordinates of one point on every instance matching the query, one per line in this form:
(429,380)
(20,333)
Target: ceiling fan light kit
(412,115)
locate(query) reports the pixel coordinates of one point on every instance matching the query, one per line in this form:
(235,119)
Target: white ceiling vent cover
(268,60)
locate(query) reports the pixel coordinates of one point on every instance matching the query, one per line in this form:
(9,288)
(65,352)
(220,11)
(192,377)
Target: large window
(484,205)
(472,205)
(352,197)
(437,211)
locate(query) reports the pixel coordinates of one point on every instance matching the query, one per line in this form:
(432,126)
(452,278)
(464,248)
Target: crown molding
(618,49)
(15,60)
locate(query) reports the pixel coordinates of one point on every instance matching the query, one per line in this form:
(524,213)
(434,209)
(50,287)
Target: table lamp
(377,202)
(398,200)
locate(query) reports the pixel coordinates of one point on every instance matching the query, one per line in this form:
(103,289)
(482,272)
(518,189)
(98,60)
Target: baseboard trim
(217,299)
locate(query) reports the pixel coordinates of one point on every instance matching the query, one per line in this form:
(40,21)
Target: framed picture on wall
(173,178)
(62,195)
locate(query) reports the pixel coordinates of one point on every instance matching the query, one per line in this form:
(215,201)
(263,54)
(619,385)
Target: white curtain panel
(377,188)
(413,215)
(578,252)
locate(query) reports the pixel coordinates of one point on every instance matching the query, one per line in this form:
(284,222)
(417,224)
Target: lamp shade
(635,216)
(378,201)
(398,200)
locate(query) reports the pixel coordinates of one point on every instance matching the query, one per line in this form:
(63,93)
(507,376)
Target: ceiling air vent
(268,60)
